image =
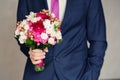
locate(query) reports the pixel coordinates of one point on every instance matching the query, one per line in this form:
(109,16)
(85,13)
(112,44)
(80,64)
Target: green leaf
(30,43)
(56,28)
(43,46)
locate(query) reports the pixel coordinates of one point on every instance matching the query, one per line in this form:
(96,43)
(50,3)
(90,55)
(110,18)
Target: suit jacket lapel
(63,25)
(45,4)
(66,13)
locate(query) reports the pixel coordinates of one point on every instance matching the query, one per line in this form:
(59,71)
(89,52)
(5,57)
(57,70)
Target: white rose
(23,23)
(49,30)
(26,27)
(44,36)
(51,41)
(35,19)
(22,39)
(53,33)
(58,35)
(46,23)
(52,25)
(31,16)
(17,33)
(22,34)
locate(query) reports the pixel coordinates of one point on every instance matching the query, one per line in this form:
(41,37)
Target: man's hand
(37,55)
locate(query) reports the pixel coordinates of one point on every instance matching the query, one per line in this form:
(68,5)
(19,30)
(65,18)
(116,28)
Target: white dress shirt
(62,6)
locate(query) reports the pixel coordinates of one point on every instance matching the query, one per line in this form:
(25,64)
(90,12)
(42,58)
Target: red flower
(42,15)
(38,27)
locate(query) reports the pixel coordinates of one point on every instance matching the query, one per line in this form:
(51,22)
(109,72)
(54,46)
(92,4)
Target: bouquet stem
(39,68)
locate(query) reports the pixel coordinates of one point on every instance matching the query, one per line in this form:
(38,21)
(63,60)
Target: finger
(30,50)
(31,53)
(36,62)
(37,50)
(37,57)
(46,50)
(38,54)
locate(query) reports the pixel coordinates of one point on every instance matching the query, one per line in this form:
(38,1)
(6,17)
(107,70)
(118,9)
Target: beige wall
(111,68)
(12,61)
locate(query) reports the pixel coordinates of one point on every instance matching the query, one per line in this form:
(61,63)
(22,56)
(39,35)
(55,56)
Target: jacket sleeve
(22,11)
(96,35)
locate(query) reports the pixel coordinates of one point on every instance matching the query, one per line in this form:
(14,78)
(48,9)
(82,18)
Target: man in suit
(72,59)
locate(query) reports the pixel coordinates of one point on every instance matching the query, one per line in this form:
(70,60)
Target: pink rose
(41,63)
(36,37)
(39,39)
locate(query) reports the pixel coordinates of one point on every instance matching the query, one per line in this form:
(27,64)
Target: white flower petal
(46,23)
(26,27)
(17,32)
(22,39)
(44,36)
(51,41)
(58,35)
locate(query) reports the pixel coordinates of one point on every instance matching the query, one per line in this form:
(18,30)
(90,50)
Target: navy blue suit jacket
(72,59)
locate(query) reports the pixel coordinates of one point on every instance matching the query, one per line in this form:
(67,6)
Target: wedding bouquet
(39,31)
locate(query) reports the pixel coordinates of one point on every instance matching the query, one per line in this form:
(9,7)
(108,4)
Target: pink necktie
(55,7)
